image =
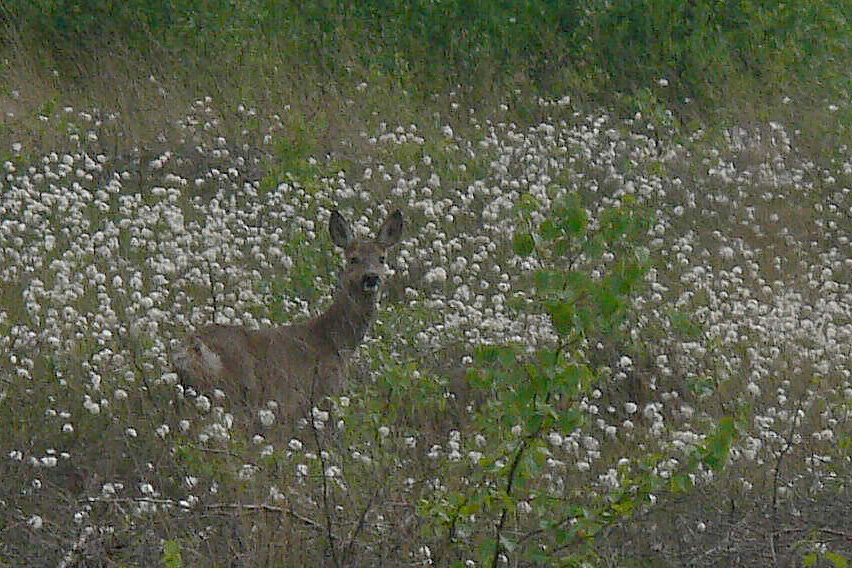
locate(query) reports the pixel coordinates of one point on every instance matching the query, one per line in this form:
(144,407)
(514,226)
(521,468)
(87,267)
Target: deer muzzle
(370,282)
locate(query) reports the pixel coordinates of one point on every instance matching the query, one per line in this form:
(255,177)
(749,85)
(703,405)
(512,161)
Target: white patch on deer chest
(210,360)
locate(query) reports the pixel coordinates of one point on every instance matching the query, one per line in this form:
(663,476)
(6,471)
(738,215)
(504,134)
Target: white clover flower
(332,471)
(410,442)
(92,407)
(202,403)
(554,439)
(295,445)
(267,417)
(162,430)
(247,472)
(189,502)
(275,494)
(36,522)
(436,275)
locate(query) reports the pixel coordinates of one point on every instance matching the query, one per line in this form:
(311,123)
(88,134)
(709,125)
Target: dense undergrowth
(614,337)
(738,57)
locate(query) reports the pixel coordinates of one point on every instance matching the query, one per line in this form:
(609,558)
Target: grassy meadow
(618,330)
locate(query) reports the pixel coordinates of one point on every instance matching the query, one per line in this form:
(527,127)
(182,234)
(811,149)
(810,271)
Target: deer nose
(370,282)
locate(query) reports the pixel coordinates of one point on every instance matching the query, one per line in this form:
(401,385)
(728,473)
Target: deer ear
(338,228)
(391,230)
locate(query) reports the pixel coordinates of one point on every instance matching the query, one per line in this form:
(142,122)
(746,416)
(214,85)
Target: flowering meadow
(604,343)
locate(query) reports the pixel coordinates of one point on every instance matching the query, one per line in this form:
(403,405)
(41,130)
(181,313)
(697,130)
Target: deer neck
(345,322)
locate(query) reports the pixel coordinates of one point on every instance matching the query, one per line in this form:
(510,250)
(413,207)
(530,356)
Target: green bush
(534,395)
(703,48)
(700,47)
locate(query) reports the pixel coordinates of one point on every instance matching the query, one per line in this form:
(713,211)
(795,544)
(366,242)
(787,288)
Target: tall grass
(704,49)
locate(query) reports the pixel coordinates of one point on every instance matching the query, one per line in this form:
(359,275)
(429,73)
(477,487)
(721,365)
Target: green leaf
(486,353)
(547,358)
(838,560)
(579,282)
(571,215)
(506,356)
(680,482)
(570,419)
(718,445)
(569,381)
(508,544)
(595,247)
(549,280)
(523,244)
(575,221)
(684,324)
(172,554)
(528,203)
(610,303)
(562,247)
(548,230)
(625,507)
(562,317)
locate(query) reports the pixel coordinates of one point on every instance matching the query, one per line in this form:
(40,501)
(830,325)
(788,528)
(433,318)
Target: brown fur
(295,364)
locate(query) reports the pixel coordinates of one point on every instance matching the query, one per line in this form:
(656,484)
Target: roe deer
(295,364)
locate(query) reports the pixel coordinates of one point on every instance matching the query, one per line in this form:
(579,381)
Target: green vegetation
(619,331)
(729,56)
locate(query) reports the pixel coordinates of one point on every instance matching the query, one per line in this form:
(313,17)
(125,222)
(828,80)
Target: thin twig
(251,507)
(361,523)
(212,287)
(784,450)
(220,451)
(329,527)
(509,483)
